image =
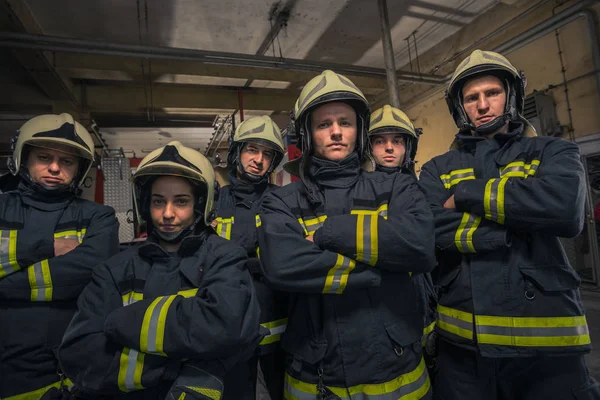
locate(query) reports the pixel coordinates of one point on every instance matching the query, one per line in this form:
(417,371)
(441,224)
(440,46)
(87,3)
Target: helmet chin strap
(251,178)
(492,126)
(175,237)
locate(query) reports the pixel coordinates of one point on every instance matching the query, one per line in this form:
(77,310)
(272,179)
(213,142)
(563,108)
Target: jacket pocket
(553,278)
(309,350)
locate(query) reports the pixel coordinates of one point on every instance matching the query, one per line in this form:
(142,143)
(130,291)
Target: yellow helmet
(261,130)
(53,131)
(481,63)
(326,88)
(175,159)
(388,119)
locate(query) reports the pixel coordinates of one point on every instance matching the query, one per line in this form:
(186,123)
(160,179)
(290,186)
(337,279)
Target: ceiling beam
(119,98)
(84,46)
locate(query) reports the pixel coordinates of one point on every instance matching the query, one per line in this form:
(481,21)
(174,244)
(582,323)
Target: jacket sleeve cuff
(469,195)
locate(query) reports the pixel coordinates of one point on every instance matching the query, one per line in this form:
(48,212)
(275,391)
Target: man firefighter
(342,242)
(50,242)
(168,318)
(511,321)
(255,150)
(394,142)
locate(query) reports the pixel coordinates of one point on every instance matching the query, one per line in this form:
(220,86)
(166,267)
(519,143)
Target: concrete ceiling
(133,99)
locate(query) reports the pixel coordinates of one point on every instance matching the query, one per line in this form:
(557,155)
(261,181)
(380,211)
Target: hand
(213,223)
(450,203)
(310,238)
(62,246)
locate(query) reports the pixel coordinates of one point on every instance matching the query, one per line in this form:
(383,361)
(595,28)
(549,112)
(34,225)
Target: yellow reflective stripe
(276,329)
(463,237)
(456,176)
(181,396)
(131,297)
(131,362)
(152,334)
(131,366)
(38,393)
(360,227)
(40,281)
(429,328)
(367,243)
(410,386)
(213,394)
(457,322)
(258,221)
(311,225)
(188,293)
(8,253)
(533,331)
(519,169)
(487,193)
(500,200)
(337,277)
(71,234)
(223,227)
(493,199)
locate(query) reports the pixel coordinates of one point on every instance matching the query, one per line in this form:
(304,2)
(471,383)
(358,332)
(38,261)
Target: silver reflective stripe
(463,175)
(4,247)
(383,213)
(399,393)
(313,226)
(337,277)
(6,267)
(464,235)
(455,321)
(153,326)
(130,373)
(494,199)
(514,331)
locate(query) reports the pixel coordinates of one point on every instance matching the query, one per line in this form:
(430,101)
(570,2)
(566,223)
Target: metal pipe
(388,54)
(481,40)
(85,46)
(562,18)
(241,104)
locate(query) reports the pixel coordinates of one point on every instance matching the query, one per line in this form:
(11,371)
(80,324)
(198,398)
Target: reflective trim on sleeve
(276,329)
(310,225)
(464,234)
(71,234)
(337,277)
(40,281)
(459,323)
(532,331)
(454,177)
(152,334)
(223,227)
(131,297)
(8,253)
(493,199)
(519,169)
(131,366)
(258,221)
(38,393)
(188,292)
(413,385)
(131,362)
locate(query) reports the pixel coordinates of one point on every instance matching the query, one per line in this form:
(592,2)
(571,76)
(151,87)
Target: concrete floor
(591,301)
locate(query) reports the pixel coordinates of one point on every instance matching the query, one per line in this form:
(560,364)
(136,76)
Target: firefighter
(50,242)
(255,150)
(394,142)
(511,321)
(179,306)
(342,242)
